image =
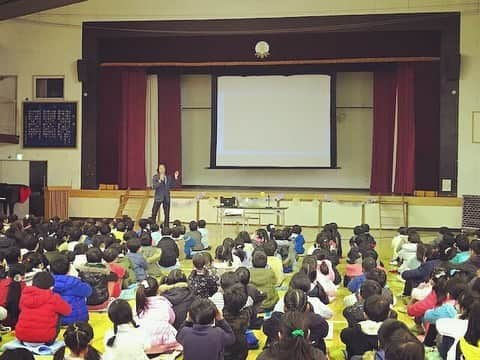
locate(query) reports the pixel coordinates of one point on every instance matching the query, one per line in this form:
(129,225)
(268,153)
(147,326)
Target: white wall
(469,100)
(28,49)
(354,140)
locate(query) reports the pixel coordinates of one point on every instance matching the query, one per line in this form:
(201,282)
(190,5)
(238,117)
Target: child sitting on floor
(205,334)
(273,261)
(151,254)
(40,311)
(193,240)
(298,239)
(156,316)
(110,255)
(200,280)
(368,264)
(363,336)
(73,290)
(138,261)
(175,289)
(126,341)
(97,275)
(238,315)
(204,231)
(257,296)
(264,279)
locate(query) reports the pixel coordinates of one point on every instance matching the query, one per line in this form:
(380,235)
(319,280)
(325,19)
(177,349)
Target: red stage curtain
(132,129)
(169,122)
(427,125)
(110,92)
(384,90)
(405,162)
(121,127)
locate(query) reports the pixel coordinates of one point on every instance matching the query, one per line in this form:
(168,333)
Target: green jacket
(264,280)
(130,279)
(152,255)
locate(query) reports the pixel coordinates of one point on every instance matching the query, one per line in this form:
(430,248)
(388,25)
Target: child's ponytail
(295,340)
(119,313)
(147,288)
(323,267)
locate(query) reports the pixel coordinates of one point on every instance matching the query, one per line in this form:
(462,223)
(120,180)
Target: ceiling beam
(15,8)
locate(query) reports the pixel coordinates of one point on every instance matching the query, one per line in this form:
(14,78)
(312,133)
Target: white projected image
(273,121)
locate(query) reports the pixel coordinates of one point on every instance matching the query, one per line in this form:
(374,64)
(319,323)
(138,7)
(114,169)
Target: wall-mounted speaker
(81,70)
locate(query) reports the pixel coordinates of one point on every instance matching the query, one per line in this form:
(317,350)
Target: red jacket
(419,308)
(39,311)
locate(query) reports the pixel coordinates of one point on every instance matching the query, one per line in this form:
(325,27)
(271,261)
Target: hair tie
(298,333)
(144,283)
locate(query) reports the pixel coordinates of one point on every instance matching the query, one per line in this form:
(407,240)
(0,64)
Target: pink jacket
(157,322)
(330,276)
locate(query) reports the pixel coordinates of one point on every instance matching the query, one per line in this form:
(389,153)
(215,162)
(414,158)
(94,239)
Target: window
(48,87)
(8,105)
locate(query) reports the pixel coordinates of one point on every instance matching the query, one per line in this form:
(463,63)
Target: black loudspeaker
(452,67)
(81,70)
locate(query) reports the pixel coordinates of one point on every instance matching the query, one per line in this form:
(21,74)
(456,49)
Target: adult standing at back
(162,183)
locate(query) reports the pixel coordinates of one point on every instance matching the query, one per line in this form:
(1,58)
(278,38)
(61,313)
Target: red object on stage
(169,123)
(23,194)
(384,92)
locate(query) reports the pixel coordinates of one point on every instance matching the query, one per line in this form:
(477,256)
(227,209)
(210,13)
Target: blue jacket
(139,264)
(75,292)
(422,273)
(299,242)
(356,283)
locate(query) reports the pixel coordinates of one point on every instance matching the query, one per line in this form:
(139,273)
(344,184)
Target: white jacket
(454,328)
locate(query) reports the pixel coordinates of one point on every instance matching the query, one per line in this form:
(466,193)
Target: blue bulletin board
(49,124)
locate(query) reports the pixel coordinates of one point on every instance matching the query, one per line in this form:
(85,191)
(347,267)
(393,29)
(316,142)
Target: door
(38,183)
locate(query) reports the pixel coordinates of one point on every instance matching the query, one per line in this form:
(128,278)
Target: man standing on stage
(162,184)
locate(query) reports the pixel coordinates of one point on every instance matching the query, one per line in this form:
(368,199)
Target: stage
(306,207)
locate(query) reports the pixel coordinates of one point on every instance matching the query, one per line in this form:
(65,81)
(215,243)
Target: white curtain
(151,128)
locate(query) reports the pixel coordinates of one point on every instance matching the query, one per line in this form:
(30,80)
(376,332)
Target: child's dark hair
(146,239)
(404,346)
(199,261)
(12,255)
(60,266)
(377,275)
(80,249)
(439,278)
(414,237)
(133,245)
(110,254)
(119,313)
(94,255)
(145,289)
(77,338)
(143,223)
(202,311)
(223,253)
(30,242)
(154,227)
(229,279)
(370,288)
(300,281)
(193,226)
(296,229)
(323,267)
(294,343)
(262,234)
(33,260)
(17,354)
(377,308)
(202,224)
(270,247)
(243,275)
(43,280)
(295,300)
(462,242)
(49,243)
(309,268)
(175,276)
(244,237)
(235,298)
(368,264)
(259,259)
